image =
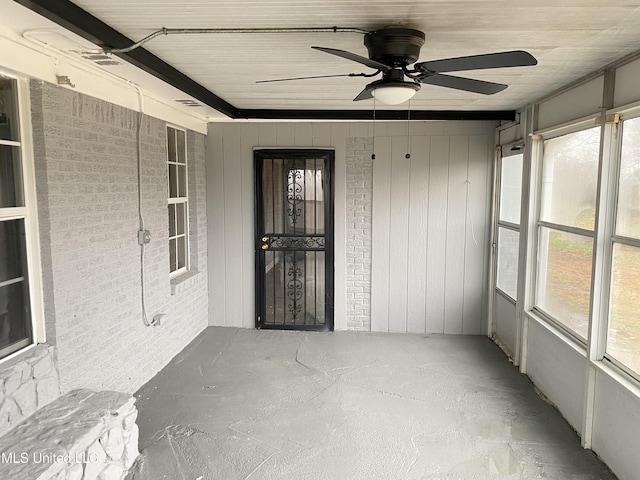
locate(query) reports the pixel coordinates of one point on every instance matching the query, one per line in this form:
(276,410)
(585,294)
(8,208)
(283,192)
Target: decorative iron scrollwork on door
(295,286)
(294,195)
(301,243)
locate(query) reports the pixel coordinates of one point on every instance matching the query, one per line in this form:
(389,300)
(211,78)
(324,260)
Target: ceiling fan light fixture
(395,93)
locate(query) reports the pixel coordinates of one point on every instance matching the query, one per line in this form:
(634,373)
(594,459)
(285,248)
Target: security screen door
(294,239)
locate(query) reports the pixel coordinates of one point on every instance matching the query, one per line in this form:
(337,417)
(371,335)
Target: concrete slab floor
(260,405)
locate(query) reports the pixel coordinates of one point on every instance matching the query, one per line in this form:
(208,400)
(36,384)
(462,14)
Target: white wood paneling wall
(427,273)
(430,228)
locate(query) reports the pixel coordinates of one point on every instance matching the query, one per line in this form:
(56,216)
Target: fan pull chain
(373,153)
(408,154)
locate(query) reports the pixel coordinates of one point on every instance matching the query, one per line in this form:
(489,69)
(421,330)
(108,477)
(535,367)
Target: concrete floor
(250,404)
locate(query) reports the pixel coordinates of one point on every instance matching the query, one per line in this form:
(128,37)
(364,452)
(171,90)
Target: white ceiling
(569,38)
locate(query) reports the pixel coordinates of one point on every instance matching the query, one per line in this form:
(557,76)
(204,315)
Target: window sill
(184,281)
(24,354)
(565,337)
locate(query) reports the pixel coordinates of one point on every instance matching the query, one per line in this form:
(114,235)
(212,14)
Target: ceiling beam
(508,115)
(79,21)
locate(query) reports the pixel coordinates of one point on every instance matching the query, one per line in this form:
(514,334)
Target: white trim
(10,143)
(505,295)
(17,353)
(179,200)
(11,282)
(566,228)
(621,368)
(13,213)
(31,204)
(627,112)
(572,126)
(558,331)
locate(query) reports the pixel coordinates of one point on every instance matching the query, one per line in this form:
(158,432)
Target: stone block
(113,443)
(112,472)
(129,420)
(25,371)
(96,461)
(25,397)
(74,472)
(12,382)
(47,390)
(61,475)
(9,415)
(43,366)
(131,447)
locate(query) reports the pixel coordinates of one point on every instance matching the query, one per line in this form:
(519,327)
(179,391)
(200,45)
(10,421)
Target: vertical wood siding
(427,273)
(430,229)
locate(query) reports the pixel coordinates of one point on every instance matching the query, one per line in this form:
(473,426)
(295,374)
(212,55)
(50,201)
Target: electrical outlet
(144,236)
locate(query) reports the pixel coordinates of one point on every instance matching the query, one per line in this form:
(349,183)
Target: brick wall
(359,195)
(86,175)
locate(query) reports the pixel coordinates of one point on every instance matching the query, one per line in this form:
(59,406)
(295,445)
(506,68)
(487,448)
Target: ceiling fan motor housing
(394,46)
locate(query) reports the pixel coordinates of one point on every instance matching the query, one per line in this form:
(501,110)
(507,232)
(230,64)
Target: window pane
(12,250)
(173,264)
(507,274)
(181,147)
(173,181)
(182,181)
(569,179)
(171,144)
(623,339)
(511,188)
(15,319)
(9,125)
(172,220)
(182,252)
(628,220)
(180,218)
(564,278)
(10,177)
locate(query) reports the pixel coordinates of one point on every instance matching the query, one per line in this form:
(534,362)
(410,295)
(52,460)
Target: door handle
(265,246)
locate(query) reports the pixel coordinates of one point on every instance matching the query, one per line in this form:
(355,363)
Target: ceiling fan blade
(364,94)
(516,58)
(461,83)
(308,78)
(355,58)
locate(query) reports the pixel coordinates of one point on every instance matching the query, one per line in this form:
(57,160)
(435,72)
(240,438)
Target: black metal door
(294,239)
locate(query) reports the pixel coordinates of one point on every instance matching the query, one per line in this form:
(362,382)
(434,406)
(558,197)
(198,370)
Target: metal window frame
(28,213)
(498,223)
(539,138)
(179,200)
(615,133)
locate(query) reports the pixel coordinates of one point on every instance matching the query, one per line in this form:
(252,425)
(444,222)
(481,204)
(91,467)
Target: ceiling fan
(393,49)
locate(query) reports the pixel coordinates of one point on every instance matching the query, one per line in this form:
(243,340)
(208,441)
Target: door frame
(259,155)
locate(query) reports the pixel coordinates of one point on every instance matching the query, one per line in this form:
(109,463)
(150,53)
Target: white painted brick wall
(86,176)
(359,196)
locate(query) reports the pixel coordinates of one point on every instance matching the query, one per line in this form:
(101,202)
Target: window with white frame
(623,336)
(566,228)
(508,244)
(177,202)
(16,312)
